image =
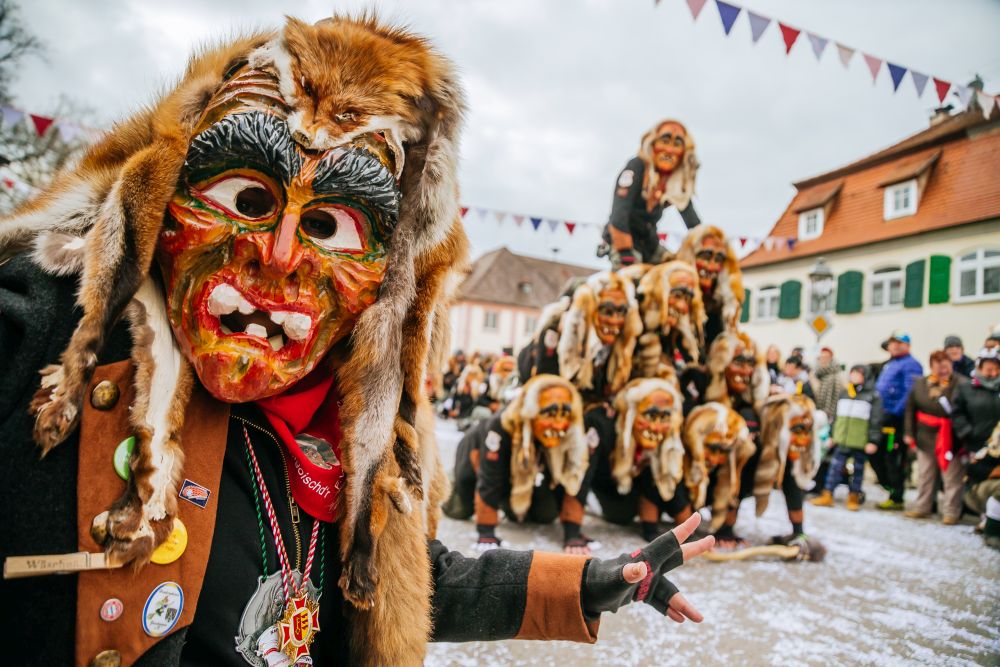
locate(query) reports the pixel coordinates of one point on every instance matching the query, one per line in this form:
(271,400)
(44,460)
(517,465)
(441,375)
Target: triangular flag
(41,123)
(845,53)
(570,226)
(499,215)
(874,65)
(8,182)
(789,34)
(758,24)
(68,131)
(897,72)
(553,224)
(743,242)
(696,6)
(986,102)
(964,94)
(942,88)
(818,44)
(919,82)
(482,212)
(463,210)
(518,219)
(663,236)
(12,116)
(535,222)
(791,243)
(728,14)
(768,243)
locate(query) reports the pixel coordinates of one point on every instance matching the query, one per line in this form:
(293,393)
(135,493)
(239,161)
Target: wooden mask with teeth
(269,251)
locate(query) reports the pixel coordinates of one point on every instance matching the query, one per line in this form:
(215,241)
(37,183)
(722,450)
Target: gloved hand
(627,256)
(609,585)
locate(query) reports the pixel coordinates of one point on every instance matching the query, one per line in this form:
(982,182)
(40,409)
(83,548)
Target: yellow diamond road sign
(821,324)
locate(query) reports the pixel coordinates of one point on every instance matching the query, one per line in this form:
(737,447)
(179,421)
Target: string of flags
(730,12)
(68,130)
(536,223)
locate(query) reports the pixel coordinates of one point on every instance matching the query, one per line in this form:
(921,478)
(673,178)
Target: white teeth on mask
(224,299)
(297,325)
(279,316)
(245,306)
(257,330)
(276,341)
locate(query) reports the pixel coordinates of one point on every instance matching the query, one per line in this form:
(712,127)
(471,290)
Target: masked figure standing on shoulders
(707,249)
(662,174)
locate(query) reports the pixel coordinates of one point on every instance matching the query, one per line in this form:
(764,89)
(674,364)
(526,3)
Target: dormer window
(525,288)
(811,224)
(901,199)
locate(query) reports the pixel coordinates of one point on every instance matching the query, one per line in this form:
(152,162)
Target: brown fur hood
(667,462)
(578,341)
(681,181)
(653,292)
(720,354)
(775,437)
(729,284)
(567,462)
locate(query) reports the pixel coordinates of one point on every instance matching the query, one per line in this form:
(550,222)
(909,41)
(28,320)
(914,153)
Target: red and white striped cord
(287,580)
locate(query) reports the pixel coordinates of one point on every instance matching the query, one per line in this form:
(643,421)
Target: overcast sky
(561,90)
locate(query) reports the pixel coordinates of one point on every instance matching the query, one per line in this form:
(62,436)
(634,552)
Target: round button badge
(162,609)
(173,546)
(123,454)
(111,609)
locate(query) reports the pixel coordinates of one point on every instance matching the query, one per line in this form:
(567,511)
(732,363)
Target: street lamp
(821,278)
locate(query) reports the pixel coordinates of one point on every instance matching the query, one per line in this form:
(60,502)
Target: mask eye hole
(242,197)
(332,228)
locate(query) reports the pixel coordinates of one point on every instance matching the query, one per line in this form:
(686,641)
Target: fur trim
(775,438)
(475,373)
(729,284)
(550,317)
(667,461)
(567,461)
(653,292)
(680,183)
(578,341)
(721,354)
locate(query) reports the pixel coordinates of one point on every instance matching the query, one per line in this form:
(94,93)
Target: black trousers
(890,464)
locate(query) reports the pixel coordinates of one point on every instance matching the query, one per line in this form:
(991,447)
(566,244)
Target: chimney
(941,114)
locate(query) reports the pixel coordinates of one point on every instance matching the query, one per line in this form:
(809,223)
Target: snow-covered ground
(892,591)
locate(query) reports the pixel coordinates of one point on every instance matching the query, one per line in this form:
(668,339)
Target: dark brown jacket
(925,397)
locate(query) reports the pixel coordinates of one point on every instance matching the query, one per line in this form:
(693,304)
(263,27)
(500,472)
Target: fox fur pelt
(775,440)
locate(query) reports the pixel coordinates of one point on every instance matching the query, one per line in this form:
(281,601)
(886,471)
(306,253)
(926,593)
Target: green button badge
(123,453)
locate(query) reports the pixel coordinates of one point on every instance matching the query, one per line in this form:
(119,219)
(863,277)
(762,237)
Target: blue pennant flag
(897,73)
(728,14)
(536,222)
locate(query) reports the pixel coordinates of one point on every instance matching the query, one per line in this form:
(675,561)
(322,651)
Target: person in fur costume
(273,229)
(662,174)
(673,316)
(708,250)
(531,461)
(642,474)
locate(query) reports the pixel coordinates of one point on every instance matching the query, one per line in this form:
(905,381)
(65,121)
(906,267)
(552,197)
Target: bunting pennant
(536,222)
(570,226)
(919,82)
(897,72)
(964,94)
(518,220)
(986,102)
(845,53)
(696,6)
(68,131)
(789,34)
(758,24)
(818,44)
(743,241)
(791,244)
(728,14)
(481,212)
(12,116)
(499,215)
(463,211)
(942,88)
(41,123)
(874,65)
(553,224)
(662,236)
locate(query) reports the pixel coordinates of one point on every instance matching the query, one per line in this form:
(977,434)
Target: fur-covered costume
(782,453)
(583,359)
(721,354)
(724,301)
(669,326)
(720,426)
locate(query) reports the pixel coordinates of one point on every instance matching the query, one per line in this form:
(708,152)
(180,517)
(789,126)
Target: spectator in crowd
(773,357)
(928,428)
(893,385)
(828,382)
(456,364)
(977,403)
(794,378)
(961,363)
(856,429)
(983,494)
(993,340)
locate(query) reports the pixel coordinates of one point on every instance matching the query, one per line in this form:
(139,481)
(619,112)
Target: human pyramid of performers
(638,386)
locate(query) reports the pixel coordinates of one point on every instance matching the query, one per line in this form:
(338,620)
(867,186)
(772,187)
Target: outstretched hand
(639,576)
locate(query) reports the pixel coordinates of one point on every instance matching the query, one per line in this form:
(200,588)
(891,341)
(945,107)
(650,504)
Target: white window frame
(884,277)
(804,218)
(530,322)
(979,263)
(491,315)
(890,210)
(773,294)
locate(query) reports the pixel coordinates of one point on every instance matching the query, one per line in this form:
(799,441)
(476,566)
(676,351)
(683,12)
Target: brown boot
(853,501)
(825,500)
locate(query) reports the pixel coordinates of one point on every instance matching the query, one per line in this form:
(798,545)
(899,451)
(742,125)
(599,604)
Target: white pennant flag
(481,212)
(919,81)
(553,224)
(12,116)
(986,102)
(845,53)
(964,94)
(68,132)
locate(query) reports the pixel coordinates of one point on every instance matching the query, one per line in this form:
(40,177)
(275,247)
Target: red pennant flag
(743,242)
(874,65)
(663,236)
(41,123)
(789,34)
(942,88)
(570,226)
(464,210)
(8,182)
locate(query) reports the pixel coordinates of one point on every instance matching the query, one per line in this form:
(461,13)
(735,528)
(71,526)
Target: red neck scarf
(306,419)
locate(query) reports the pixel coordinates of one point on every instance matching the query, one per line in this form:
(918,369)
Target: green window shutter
(939,279)
(790,302)
(745,313)
(913,294)
(849,290)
